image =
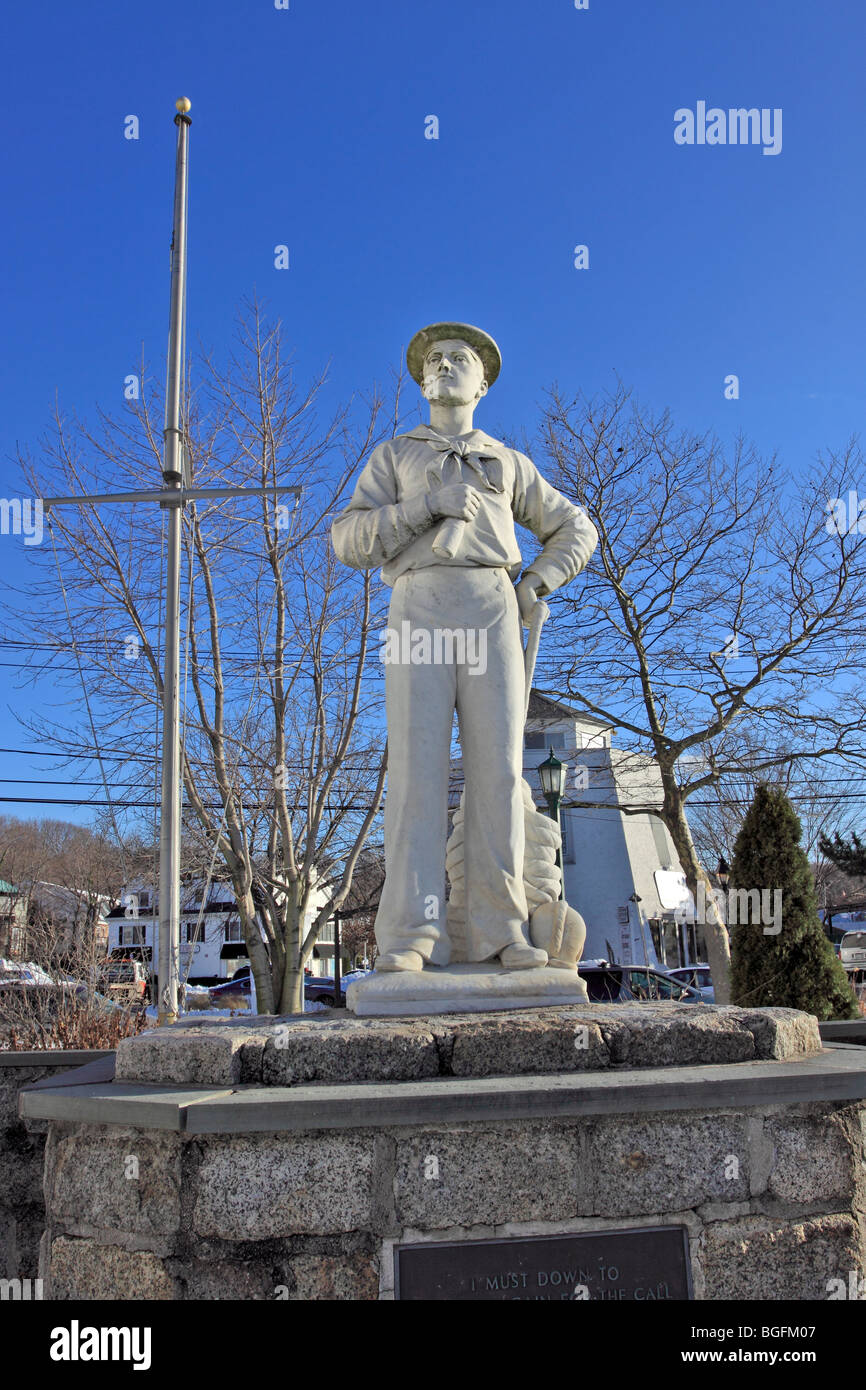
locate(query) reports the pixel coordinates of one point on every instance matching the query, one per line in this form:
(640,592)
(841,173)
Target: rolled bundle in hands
(450,538)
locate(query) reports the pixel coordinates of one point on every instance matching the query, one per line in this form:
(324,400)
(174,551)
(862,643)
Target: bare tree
(283,764)
(66,875)
(27,851)
(818,797)
(719,625)
(357,926)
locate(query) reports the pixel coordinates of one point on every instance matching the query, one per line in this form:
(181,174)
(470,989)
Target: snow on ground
(311,1006)
(28,973)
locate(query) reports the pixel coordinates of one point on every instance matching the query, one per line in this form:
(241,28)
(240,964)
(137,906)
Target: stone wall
(22,1207)
(773,1201)
(300,1191)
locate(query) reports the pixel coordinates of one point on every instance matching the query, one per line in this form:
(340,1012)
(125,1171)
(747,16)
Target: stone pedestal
(291,1158)
(457,989)
(22,1146)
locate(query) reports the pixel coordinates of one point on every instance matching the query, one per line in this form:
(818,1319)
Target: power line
(149,805)
(89,757)
(803,787)
(301,806)
(796,789)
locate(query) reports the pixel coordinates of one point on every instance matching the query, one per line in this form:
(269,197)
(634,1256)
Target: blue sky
(556,129)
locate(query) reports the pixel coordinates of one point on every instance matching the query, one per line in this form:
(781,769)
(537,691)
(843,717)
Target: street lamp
(723,872)
(551,774)
(339,1001)
(637,900)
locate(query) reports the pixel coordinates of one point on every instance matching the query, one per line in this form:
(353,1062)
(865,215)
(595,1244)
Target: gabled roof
(542,707)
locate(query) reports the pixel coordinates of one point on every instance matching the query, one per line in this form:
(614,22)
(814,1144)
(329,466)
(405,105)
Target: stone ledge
(101,1069)
(836,1075)
(844,1030)
(576,1038)
(51,1057)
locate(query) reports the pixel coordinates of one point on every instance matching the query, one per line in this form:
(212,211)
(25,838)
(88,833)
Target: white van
(852,950)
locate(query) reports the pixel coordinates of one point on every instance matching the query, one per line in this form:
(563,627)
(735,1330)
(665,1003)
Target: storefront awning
(234,950)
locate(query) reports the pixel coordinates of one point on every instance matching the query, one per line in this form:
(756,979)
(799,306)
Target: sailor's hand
(455,500)
(527,599)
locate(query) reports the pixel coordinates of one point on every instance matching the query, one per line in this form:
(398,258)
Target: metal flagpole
(173,478)
(173,495)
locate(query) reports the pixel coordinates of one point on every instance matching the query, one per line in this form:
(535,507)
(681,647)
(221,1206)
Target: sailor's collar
(477,440)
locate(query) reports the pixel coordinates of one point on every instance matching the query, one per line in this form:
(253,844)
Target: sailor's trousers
(476,610)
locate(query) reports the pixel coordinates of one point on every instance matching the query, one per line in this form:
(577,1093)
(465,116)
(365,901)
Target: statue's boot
(517,957)
(400,960)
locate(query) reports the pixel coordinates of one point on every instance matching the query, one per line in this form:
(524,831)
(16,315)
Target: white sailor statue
(436,509)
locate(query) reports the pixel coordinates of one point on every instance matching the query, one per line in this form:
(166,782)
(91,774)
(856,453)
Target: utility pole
(173,496)
(338,990)
(173,476)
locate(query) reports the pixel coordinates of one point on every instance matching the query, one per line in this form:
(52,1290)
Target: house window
(554,738)
(233,929)
(660,840)
(658,935)
(593,741)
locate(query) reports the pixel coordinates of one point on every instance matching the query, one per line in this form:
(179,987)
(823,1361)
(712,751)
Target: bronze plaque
(648,1264)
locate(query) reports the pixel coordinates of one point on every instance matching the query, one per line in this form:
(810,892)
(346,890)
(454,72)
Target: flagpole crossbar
(171,496)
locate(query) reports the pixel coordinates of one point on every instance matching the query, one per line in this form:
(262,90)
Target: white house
(212,944)
(611,858)
(211,940)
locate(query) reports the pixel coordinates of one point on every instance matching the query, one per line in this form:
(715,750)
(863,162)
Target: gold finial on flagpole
(183,105)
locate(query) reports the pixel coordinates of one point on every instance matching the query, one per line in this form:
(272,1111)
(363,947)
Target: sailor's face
(453,373)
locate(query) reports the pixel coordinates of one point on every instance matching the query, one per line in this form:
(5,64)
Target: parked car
(104,1004)
(132,951)
(626,984)
(852,950)
(604,983)
(239,986)
(646,983)
(49,1000)
(321,987)
(699,977)
(125,981)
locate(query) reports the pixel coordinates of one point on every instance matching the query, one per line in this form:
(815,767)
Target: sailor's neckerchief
(480,458)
